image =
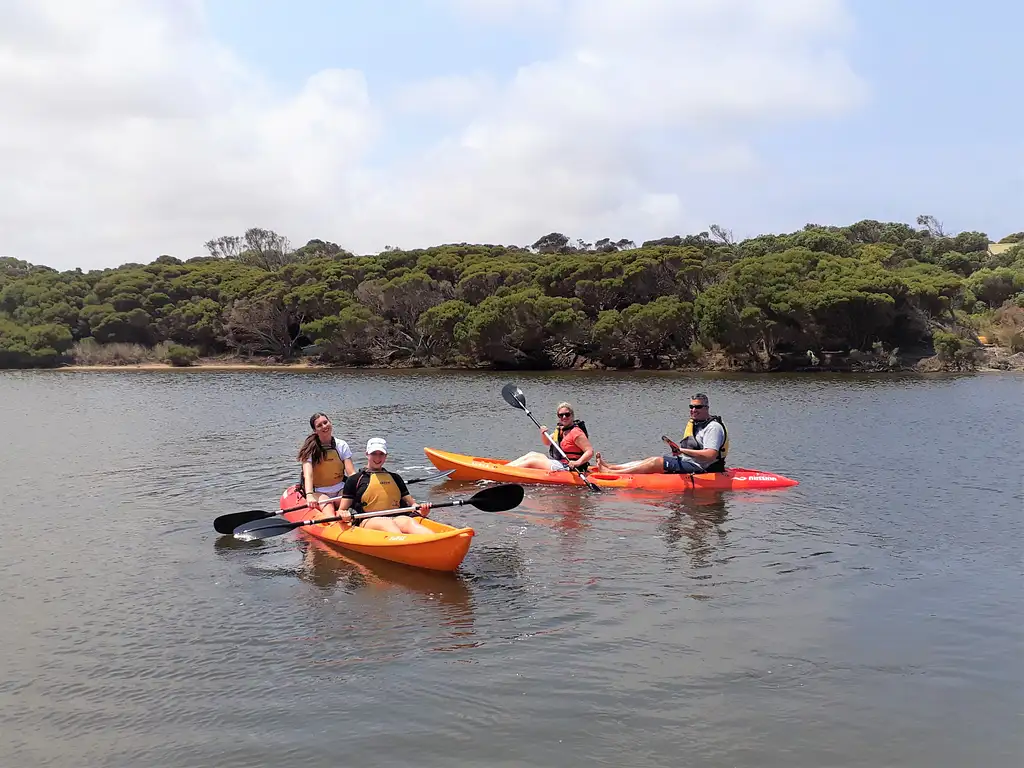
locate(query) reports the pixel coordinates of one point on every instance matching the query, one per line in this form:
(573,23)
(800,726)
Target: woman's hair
(560,406)
(311,449)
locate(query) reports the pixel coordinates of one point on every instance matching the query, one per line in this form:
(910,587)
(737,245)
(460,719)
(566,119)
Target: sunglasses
(697,407)
(564,415)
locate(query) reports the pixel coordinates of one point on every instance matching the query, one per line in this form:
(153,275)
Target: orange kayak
(443,550)
(477,468)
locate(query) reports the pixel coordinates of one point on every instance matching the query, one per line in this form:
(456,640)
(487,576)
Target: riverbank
(990,358)
(203,365)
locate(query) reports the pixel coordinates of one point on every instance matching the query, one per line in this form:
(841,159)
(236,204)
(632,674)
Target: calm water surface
(871,616)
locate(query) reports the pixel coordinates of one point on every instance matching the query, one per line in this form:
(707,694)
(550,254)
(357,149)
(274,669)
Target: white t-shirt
(710,436)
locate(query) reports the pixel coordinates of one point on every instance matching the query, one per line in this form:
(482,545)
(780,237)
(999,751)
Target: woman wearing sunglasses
(704,447)
(571,437)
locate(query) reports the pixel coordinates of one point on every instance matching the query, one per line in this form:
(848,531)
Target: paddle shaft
(338,498)
(227,523)
(495,499)
(379,513)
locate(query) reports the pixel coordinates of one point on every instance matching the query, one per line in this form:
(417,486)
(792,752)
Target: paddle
(497,498)
(514,396)
(227,523)
(676,450)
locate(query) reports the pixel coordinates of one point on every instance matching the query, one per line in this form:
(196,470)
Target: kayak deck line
(466,467)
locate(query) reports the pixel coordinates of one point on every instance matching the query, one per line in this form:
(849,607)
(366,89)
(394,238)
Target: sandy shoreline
(991,359)
(306,368)
(199,367)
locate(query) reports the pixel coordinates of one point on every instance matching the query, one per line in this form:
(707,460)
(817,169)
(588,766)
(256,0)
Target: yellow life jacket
(689,441)
(376,491)
(330,470)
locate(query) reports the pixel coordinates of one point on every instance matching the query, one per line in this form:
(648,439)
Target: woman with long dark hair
(326,463)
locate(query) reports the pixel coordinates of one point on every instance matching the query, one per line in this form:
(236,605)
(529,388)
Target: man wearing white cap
(374,488)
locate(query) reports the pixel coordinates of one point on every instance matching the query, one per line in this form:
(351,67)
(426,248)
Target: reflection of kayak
(327,565)
(443,550)
(477,468)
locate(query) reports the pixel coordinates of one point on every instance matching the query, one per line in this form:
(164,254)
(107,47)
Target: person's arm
(546,439)
(583,443)
(714,436)
(348,498)
(705,454)
(307,485)
(345,454)
(407,500)
(343,507)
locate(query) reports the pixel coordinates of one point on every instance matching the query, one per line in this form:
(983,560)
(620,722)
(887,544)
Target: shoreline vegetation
(988,359)
(871,296)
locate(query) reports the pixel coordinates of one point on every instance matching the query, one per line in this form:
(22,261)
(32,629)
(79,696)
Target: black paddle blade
(497,498)
(228,523)
(264,529)
(514,396)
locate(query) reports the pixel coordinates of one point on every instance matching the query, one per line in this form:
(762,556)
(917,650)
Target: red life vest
(567,440)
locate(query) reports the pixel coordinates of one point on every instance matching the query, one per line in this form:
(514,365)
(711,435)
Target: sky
(135,128)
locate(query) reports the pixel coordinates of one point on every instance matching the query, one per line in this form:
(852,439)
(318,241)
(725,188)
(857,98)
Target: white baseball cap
(376,444)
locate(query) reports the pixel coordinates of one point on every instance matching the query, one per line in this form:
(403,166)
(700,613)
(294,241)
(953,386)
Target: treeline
(557,303)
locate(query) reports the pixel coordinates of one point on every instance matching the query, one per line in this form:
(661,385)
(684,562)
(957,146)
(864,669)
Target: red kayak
(478,468)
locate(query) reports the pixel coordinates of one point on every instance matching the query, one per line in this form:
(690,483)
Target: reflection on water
(696,521)
(327,566)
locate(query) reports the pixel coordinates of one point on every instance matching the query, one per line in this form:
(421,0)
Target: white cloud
(504,11)
(607,138)
(129,132)
(452,96)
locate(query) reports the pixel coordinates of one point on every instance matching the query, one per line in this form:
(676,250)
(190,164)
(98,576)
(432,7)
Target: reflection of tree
(697,519)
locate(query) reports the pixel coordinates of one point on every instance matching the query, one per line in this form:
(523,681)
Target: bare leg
(532,460)
(326,510)
(602,466)
(411,525)
(398,524)
(654,465)
(385,524)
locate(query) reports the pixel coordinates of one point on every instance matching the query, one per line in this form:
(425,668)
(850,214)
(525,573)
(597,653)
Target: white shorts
(331,490)
(554,465)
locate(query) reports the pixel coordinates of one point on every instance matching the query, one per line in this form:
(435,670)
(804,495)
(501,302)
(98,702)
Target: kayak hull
(479,468)
(443,550)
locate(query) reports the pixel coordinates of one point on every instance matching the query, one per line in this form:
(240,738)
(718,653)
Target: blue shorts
(681,465)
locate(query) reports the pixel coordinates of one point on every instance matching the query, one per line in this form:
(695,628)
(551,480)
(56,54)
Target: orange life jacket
(567,440)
